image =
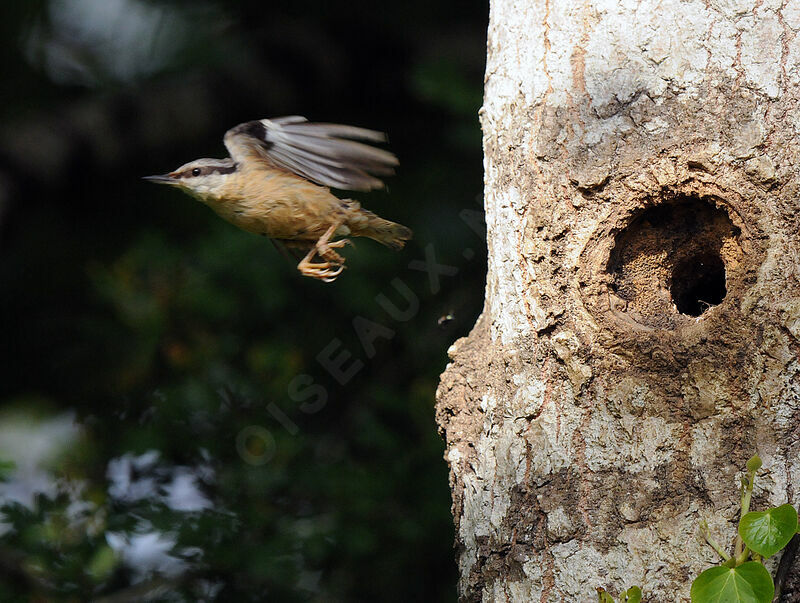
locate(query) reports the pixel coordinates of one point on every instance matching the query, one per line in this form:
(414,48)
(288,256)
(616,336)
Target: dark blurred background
(168,427)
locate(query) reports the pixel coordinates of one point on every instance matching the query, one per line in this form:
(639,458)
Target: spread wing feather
(327,154)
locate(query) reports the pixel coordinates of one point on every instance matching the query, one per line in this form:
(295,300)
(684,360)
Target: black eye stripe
(207,170)
(227,169)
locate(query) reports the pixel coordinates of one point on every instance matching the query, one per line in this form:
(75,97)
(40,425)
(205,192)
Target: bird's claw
(326,251)
(332,264)
(329,255)
(320,270)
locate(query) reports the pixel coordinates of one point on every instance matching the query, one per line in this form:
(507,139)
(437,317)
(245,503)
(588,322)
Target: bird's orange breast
(277,204)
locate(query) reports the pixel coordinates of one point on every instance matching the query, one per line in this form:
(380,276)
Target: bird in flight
(277,183)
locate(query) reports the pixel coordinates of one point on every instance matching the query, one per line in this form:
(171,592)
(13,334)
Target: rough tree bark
(640,334)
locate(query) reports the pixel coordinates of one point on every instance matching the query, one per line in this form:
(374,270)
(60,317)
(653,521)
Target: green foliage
(742,578)
(767,532)
(604,597)
(746,583)
(753,464)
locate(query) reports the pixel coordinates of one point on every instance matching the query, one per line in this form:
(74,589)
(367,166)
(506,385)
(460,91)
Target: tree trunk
(640,334)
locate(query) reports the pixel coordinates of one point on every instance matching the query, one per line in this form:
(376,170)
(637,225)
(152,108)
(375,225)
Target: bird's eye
(196,172)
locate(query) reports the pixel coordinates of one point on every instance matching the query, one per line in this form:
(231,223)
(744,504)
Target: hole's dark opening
(698,283)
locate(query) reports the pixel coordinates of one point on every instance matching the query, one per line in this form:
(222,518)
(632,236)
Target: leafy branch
(742,577)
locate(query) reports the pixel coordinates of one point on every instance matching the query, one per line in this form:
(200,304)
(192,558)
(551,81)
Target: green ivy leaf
(603,596)
(633,595)
(767,532)
(747,583)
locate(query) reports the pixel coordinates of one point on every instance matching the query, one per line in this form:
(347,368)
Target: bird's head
(202,178)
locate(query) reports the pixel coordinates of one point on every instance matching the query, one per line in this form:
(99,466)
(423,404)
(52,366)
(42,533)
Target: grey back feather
(323,153)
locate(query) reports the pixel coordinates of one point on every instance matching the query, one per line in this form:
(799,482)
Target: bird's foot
(326,252)
(331,256)
(325,271)
(337,244)
(332,263)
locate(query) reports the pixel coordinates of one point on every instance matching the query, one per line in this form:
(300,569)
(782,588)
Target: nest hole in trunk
(671,262)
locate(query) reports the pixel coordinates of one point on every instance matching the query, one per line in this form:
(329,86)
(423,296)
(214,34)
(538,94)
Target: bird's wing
(323,153)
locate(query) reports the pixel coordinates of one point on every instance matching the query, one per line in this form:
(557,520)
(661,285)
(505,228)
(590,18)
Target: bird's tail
(364,223)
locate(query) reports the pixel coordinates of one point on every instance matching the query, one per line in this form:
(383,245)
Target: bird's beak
(162,179)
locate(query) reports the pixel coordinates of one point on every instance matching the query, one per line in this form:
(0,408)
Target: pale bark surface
(635,154)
